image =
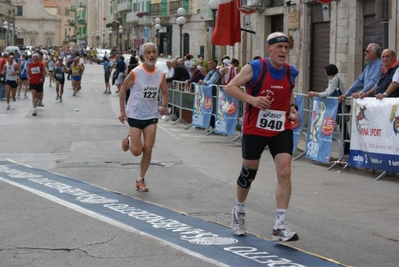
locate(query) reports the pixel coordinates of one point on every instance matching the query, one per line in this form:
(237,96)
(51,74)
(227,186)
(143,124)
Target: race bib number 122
(149,92)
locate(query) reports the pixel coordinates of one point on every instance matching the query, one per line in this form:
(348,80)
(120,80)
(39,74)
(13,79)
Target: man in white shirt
(141,111)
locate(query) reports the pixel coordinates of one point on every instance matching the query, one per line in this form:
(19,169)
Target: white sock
(240,207)
(280,217)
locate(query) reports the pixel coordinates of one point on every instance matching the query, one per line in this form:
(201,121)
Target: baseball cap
(227,62)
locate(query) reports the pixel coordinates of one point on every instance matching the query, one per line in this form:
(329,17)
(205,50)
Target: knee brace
(246,177)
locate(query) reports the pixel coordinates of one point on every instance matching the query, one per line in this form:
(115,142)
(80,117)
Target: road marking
(208,241)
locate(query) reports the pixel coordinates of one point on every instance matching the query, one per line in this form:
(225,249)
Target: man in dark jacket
(181,73)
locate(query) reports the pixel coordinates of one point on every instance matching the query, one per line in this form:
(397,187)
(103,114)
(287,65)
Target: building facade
(336,32)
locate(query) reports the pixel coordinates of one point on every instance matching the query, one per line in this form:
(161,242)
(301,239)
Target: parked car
(101,53)
(12,49)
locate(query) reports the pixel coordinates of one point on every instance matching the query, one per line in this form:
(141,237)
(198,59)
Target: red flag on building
(228,26)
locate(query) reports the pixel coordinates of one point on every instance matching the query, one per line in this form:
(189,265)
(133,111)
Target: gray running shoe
(57,97)
(34,113)
(60,98)
(284,234)
(238,223)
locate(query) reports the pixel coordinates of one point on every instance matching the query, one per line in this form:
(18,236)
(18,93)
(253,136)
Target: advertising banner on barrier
(202,109)
(321,129)
(297,127)
(226,114)
(374,134)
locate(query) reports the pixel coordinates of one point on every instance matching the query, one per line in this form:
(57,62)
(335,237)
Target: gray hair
(145,45)
(376,48)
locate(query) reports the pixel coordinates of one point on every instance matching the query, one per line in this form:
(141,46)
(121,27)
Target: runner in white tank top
(141,111)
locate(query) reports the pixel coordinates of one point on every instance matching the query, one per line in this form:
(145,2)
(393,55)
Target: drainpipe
(385,20)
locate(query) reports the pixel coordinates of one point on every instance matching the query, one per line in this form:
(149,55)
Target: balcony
(131,17)
(73,38)
(82,20)
(124,7)
(175,5)
(71,23)
(72,8)
(155,10)
(275,3)
(82,4)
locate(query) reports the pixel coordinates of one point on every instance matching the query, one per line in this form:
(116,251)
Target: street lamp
(120,36)
(5,27)
(181,21)
(103,38)
(213,5)
(110,37)
(17,31)
(97,37)
(92,39)
(11,30)
(157,27)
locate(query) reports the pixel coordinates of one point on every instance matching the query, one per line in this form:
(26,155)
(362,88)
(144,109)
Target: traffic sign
(243,10)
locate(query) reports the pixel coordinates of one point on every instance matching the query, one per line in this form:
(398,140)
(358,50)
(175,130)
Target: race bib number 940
(149,92)
(271,120)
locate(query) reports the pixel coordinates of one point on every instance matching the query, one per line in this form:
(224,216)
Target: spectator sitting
(201,67)
(180,73)
(196,76)
(213,76)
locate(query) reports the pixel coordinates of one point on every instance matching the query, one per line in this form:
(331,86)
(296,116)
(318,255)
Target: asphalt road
(347,217)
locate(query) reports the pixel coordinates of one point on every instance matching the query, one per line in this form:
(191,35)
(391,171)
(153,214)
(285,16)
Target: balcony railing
(82,4)
(167,9)
(155,10)
(72,8)
(125,7)
(131,17)
(71,23)
(275,3)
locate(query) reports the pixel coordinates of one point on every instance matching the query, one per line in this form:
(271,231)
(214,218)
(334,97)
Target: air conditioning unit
(251,4)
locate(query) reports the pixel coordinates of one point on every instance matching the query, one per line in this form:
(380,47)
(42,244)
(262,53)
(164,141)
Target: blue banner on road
(226,114)
(321,129)
(200,238)
(202,110)
(297,127)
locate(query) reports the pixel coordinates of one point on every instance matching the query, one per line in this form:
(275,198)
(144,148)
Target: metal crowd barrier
(181,98)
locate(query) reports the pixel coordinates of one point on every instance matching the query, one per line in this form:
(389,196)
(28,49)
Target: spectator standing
(120,70)
(107,73)
(369,77)
(335,88)
(389,70)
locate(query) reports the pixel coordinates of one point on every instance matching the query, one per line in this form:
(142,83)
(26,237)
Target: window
(67,11)
(19,11)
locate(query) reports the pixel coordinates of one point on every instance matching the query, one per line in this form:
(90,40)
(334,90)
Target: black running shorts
(141,124)
(253,145)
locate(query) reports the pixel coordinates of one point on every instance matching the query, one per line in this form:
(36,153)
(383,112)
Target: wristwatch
(385,94)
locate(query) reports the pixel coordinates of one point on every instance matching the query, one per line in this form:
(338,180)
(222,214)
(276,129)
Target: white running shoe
(238,223)
(284,234)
